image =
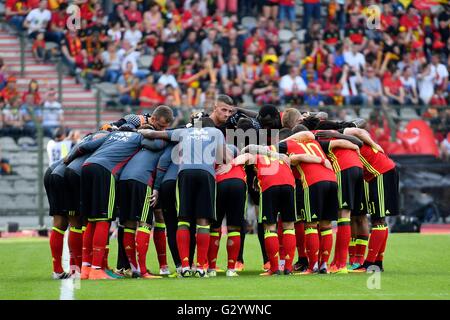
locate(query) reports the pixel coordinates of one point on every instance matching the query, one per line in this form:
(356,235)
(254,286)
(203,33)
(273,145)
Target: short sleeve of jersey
(282,147)
(175,135)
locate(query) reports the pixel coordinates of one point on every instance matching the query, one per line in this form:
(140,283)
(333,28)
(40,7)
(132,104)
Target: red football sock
(343,237)
(213,249)
(289,244)
(233,247)
(360,248)
(75,246)
(326,244)
(375,242)
(300,239)
(380,255)
(129,244)
(99,243)
(202,245)
(280,239)
(56,247)
(88,237)
(183,243)
(352,250)
(142,241)
(272,245)
(312,247)
(159,237)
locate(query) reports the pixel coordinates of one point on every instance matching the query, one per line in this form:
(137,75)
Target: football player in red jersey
(349,174)
(381,198)
(318,200)
(277,188)
(231,203)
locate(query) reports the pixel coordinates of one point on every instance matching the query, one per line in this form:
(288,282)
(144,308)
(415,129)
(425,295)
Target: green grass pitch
(417,267)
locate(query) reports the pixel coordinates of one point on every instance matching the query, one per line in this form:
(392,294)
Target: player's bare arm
(364,136)
(328,134)
(301,136)
(297,158)
(152,134)
(344,144)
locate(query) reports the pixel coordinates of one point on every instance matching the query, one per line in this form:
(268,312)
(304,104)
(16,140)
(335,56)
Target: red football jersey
(236,172)
(310,173)
(273,172)
(342,158)
(375,162)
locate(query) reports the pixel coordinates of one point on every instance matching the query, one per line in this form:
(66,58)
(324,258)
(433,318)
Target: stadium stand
(188,73)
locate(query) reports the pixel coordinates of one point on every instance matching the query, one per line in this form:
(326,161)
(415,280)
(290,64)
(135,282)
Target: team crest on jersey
(200,135)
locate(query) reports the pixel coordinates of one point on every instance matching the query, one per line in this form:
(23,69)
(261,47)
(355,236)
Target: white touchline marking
(67,285)
(67,289)
(66,253)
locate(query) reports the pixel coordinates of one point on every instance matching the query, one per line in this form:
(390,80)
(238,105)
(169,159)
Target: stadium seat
(51,45)
(25,202)
(249,22)
(8,144)
(24,186)
(145,61)
(26,141)
(365,112)
(392,113)
(108,89)
(5,187)
(26,172)
(7,202)
(351,113)
(285,35)
(408,114)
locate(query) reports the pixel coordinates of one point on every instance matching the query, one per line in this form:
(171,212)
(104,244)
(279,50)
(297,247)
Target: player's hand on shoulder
(285,158)
(327,164)
(325,134)
(223,168)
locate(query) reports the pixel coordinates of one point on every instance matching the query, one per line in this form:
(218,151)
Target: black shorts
(51,204)
(319,202)
(134,201)
(350,189)
(98,193)
(383,195)
(58,196)
(277,199)
(72,182)
(231,202)
(196,195)
(167,195)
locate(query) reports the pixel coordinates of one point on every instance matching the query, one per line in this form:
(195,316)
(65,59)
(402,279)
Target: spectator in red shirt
(16,11)
(133,14)
(33,89)
(149,96)
(57,24)
(256,40)
(10,92)
(393,88)
(410,20)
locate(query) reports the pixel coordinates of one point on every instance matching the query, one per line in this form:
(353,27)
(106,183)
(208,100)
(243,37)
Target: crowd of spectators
(21,111)
(198,48)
